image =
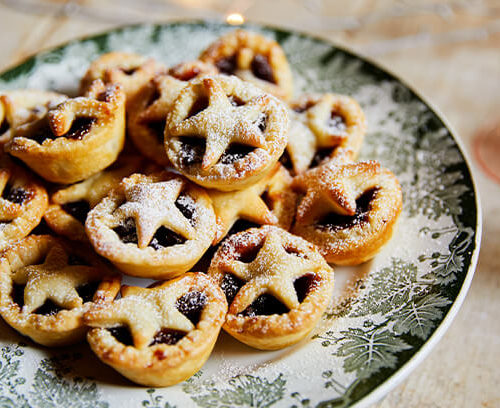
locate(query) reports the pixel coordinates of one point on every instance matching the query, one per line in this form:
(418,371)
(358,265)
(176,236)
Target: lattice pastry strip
(277,285)
(349,209)
(173,327)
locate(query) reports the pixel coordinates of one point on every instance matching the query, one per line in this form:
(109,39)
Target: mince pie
(155,226)
(23,201)
(254,59)
(320,124)
(131,71)
(225,134)
(148,111)
(46,285)
(162,335)
(76,139)
(269,201)
(349,210)
(70,205)
(277,286)
(23,106)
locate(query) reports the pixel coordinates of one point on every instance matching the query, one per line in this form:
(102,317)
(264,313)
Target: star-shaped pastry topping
(144,311)
(332,187)
(152,205)
(221,123)
(273,271)
(54,280)
(246,204)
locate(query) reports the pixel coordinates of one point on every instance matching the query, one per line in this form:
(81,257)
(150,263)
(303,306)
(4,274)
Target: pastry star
(274,270)
(331,187)
(145,312)
(168,88)
(246,204)
(152,205)
(221,123)
(53,280)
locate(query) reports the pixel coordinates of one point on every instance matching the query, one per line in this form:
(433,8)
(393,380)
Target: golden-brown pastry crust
(269,201)
(22,106)
(349,209)
(146,313)
(280,260)
(23,201)
(75,140)
(242,128)
(148,110)
(155,226)
(253,58)
(320,124)
(131,71)
(70,205)
(46,268)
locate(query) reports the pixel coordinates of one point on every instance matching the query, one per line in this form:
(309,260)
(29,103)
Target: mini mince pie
(148,111)
(70,205)
(22,106)
(23,200)
(131,71)
(162,335)
(277,286)
(76,139)
(319,124)
(269,201)
(155,226)
(46,285)
(254,59)
(225,134)
(349,210)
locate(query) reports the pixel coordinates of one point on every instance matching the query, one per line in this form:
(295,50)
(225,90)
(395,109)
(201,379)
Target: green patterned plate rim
(386,315)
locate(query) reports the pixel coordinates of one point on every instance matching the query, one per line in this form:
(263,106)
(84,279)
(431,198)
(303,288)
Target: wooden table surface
(448,49)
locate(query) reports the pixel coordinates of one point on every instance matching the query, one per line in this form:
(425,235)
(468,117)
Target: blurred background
(448,50)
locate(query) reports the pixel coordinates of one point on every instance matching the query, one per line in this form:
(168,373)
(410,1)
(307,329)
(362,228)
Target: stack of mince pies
(207,177)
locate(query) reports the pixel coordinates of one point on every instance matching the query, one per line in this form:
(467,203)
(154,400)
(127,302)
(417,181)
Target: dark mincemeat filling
(261,68)
(187,207)
(320,156)
(265,305)
(227,65)
(241,225)
(162,238)
(304,107)
(186,75)
(336,123)
(192,151)
(167,336)
(15,195)
(43,133)
(80,128)
(122,334)
(129,71)
(335,222)
(286,161)
(77,209)
(191,305)
(199,105)
(235,152)
(87,291)
(235,101)
(304,284)
(230,285)
(153,97)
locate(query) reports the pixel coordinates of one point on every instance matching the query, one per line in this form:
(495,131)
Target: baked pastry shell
(64,328)
(360,243)
(147,262)
(162,365)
